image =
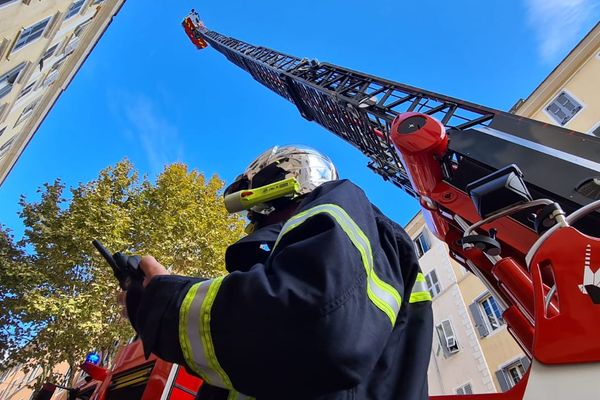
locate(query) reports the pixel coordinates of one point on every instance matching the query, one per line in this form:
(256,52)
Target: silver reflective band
(195,336)
(420,291)
(382,295)
(420,287)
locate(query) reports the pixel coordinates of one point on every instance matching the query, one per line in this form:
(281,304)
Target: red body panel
(570,335)
(182,386)
(563,330)
(189,28)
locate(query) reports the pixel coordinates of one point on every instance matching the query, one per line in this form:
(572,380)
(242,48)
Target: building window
(26,90)
(6,2)
(71,46)
(447,338)
(74,8)
(422,244)
(8,79)
(81,27)
(595,130)
(433,284)
(491,312)
(48,53)
(464,389)
(5,147)
(3,109)
(563,108)
(31,33)
(487,315)
(509,375)
(27,111)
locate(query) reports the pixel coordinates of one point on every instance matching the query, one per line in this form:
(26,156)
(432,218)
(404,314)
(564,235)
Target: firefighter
(324,298)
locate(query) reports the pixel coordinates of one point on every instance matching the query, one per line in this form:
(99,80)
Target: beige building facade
(570,95)
(42,46)
(472,350)
(16,384)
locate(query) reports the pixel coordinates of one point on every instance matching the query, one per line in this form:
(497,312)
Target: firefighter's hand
(151,268)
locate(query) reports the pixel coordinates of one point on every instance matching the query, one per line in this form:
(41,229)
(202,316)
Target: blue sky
(147,94)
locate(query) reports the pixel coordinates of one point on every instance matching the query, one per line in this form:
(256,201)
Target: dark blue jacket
(318,308)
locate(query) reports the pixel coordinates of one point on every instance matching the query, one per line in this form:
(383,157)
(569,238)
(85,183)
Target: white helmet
(277,176)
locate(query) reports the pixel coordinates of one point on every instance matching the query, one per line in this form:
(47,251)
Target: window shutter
(442,338)
(526,362)
(426,241)
(478,318)
(449,333)
(563,108)
(504,386)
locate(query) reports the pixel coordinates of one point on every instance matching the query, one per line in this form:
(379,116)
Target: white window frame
(487,319)
(69,13)
(591,131)
(5,148)
(520,372)
(419,249)
(81,28)
(434,288)
(30,88)
(45,20)
(53,47)
(16,71)
(448,342)
(462,389)
(27,111)
(8,3)
(552,117)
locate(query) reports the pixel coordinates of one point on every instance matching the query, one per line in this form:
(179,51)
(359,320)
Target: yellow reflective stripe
(233,395)
(420,292)
(382,295)
(417,297)
(206,337)
(195,336)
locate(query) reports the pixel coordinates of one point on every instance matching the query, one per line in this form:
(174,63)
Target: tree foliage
(57,295)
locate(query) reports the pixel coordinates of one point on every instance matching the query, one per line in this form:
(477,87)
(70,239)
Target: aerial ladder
(516,200)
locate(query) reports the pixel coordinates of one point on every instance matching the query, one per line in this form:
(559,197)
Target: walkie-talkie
(126,268)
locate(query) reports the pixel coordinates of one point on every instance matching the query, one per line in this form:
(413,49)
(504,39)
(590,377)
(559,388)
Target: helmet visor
(240,183)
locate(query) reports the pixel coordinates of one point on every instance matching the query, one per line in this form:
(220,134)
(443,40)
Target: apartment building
(42,46)
(16,384)
(570,95)
(472,350)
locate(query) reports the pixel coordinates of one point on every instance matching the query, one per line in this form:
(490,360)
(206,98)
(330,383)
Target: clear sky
(147,94)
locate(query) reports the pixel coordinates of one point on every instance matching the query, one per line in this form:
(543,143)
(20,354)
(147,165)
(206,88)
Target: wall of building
(26,97)
(478,358)
(579,75)
(16,384)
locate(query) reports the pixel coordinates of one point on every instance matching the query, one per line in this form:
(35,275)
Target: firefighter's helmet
(278,176)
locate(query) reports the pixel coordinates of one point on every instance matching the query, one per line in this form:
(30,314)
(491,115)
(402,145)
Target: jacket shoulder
(341,192)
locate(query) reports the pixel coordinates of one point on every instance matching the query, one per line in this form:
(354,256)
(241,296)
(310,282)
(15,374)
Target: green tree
(58,295)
